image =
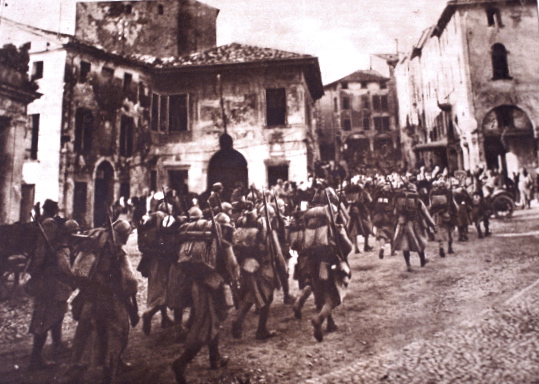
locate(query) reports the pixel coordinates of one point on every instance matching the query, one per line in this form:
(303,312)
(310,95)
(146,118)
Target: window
(346,124)
(178,117)
(383,85)
(376,103)
(160,9)
(84,121)
(107,72)
(128,78)
(125,189)
(366,102)
(37,70)
(344,85)
(366,124)
(163,109)
(382,124)
(126,136)
(335,105)
(345,102)
(385,103)
(275,107)
(363,84)
(128,9)
(35,136)
(85,69)
(155,112)
(500,67)
(494,17)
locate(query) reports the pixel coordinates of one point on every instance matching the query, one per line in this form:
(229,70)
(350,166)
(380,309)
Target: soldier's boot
(366,246)
(180,364)
(216,360)
(36,359)
(381,253)
(331,326)
(262,332)
(316,322)
(237,323)
(147,320)
(58,345)
(406,255)
(166,322)
(487,230)
(423,259)
(442,251)
(180,333)
(450,248)
(300,301)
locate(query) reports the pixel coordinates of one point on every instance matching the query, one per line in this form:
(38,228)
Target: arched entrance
(228,167)
(509,140)
(103,192)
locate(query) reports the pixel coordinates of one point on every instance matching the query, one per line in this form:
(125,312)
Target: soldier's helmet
(123,230)
(71,227)
(217,187)
(195,213)
(222,218)
(227,207)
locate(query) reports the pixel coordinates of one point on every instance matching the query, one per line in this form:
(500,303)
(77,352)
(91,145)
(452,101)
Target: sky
(341,33)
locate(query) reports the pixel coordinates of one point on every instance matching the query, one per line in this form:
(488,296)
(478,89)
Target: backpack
(439,200)
(407,204)
(86,254)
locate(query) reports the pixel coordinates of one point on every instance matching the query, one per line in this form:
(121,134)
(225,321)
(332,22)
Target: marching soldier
(360,221)
(106,303)
(413,220)
(206,255)
(51,285)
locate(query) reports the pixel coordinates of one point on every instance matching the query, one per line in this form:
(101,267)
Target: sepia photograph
(269,192)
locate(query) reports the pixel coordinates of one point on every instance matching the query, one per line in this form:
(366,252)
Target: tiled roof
(226,54)
(359,76)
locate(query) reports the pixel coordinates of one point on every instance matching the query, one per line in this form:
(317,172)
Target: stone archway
(228,167)
(103,192)
(509,139)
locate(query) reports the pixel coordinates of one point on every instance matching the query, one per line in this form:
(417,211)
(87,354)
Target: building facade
(16,92)
(358,122)
(136,118)
(468,91)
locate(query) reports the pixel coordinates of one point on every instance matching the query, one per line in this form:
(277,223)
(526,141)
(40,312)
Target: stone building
(358,121)
(468,92)
(149,102)
(47,54)
(16,92)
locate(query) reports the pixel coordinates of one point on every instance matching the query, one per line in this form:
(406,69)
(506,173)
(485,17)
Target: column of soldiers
(208,261)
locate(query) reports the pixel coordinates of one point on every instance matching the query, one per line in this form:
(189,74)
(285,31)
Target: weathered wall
(138,27)
(244,104)
(520,36)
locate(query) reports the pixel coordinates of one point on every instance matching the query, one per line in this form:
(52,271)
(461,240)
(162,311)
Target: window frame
(276,113)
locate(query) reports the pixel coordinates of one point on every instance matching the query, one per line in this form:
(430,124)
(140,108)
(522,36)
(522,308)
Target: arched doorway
(103,192)
(228,167)
(509,139)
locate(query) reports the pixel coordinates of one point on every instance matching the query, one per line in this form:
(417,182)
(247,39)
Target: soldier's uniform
(413,220)
(51,285)
(106,303)
(206,255)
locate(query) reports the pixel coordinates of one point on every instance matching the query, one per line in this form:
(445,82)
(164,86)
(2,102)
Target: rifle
(334,229)
(269,233)
(221,252)
(131,302)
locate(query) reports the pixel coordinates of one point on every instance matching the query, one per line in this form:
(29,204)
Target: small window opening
(128,78)
(346,125)
(128,9)
(500,67)
(37,70)
(345,102)
(160,9)
(344,85)
(85,69)
(494,17)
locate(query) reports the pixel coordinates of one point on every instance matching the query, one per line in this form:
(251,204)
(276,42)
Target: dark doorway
(494,151)
(177,180)
(228,167)
(27,201)
(79,203)
(103,192)
(276,172)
